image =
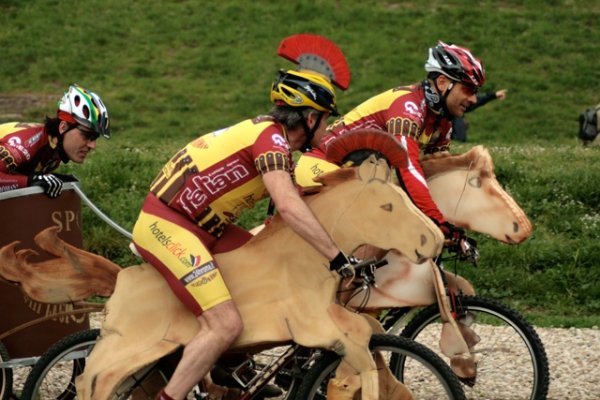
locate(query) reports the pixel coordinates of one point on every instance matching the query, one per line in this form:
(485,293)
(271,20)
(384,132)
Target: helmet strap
(59,145)
(310,132)
(436,101)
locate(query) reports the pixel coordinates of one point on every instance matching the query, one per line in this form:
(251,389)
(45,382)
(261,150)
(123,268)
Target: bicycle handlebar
(465,250)
(366,270)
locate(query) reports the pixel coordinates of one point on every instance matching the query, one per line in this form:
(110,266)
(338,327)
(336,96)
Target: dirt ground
(15,107)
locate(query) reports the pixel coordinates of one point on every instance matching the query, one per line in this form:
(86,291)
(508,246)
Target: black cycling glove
(50,183)
(452,233)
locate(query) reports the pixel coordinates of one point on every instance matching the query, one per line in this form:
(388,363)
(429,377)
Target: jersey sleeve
(405,120)
(415,183)
(12,154)
(271,151)
(11,181)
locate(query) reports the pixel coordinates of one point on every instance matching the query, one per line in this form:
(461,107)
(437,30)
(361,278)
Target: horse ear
(367,169)
(374,168)
(382,171)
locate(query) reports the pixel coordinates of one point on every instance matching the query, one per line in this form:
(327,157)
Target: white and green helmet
(86,108)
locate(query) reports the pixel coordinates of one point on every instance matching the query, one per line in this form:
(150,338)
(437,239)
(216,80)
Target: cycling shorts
(183,253)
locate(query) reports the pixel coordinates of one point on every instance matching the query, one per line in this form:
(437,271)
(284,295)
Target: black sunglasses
(90,136)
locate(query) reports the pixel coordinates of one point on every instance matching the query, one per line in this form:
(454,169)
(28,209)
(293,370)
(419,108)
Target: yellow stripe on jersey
(375,104)
(308,168)
(11,127)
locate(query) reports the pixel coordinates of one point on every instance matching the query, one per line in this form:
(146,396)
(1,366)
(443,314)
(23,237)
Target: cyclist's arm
(414,181)
(10,181)
(296,213)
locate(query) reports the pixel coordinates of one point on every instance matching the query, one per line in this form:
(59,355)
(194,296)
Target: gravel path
(574,357)
(573,354)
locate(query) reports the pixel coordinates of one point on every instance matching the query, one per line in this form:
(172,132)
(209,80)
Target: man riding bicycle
(194,201)
(419,116)
(30,152)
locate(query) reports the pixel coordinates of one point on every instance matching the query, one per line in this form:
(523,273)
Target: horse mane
(358,144)
(477,158)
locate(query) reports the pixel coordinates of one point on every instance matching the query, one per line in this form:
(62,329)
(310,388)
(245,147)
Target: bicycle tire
(290,377)
(422,361)
(501,329)
(55,372)
(6,375)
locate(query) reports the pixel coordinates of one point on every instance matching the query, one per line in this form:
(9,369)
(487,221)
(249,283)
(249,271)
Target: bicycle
(423,371)
(504,332)
(489,318)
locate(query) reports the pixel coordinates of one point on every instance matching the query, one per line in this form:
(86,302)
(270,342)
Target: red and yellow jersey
(25,149)
(215,177)
(402,112)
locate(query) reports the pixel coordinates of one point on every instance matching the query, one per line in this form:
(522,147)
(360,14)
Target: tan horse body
(282,286)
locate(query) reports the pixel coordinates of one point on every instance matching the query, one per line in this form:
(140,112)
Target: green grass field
(170,71)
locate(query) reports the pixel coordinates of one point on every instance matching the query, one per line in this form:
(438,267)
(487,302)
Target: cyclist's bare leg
(219,328)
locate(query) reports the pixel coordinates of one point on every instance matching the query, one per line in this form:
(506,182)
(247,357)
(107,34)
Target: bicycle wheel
(512,359)
(55,372)
(425,374)
(290,377)
(6,377)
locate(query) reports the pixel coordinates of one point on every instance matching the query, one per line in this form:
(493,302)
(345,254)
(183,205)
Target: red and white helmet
(457,63)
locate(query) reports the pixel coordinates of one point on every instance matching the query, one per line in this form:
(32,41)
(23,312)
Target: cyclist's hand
(343,265)
(453,235)
(50,183)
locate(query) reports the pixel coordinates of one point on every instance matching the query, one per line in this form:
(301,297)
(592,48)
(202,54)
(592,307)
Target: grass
(172,70)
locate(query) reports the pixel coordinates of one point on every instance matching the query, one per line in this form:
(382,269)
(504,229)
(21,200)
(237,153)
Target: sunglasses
(90,136)
(469,90)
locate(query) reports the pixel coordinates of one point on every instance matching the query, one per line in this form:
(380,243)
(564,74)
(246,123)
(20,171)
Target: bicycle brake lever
(469,252)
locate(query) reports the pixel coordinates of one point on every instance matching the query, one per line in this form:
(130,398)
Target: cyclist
(29,152)
(194,201)
(419,116)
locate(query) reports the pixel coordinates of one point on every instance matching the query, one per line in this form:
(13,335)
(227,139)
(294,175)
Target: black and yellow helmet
(304,89)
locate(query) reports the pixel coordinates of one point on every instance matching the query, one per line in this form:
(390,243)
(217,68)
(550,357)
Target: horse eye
(475,181)
(388,207)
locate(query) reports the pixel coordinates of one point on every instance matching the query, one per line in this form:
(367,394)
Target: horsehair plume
(368,140)
(319,54)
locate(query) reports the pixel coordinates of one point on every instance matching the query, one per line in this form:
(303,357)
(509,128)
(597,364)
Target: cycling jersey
(402,112)
(196,198)
(25,149)
(214,178)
